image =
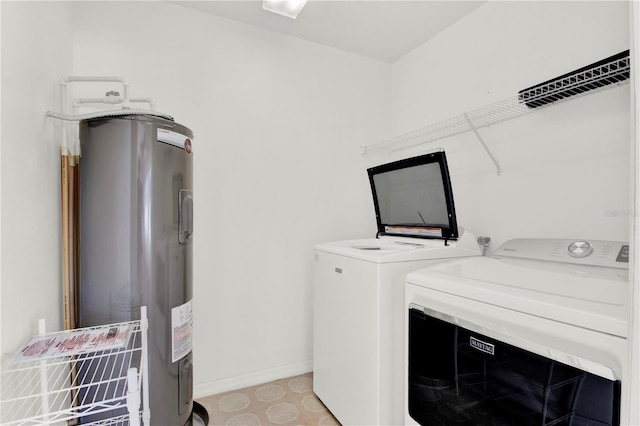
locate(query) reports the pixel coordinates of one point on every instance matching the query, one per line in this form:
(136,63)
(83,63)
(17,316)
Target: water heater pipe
(69,110)
(149,101)
(110,99)
(114,100)
(93,79)
(64,96)
(86,79)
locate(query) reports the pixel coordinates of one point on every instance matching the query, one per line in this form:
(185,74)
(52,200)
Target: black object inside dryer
(413,198)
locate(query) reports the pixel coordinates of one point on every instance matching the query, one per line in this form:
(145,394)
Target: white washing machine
(535,335)
(359,290)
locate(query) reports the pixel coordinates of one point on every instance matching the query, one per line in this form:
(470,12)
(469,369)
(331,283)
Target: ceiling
(378,29)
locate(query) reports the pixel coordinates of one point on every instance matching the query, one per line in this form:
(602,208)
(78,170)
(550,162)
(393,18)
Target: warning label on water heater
(181,331)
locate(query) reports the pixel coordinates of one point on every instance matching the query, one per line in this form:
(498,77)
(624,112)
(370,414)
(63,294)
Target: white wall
(565,170)
(278,123)
(36,51)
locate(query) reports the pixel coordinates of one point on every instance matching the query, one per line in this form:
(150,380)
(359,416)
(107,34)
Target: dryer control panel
(608,254)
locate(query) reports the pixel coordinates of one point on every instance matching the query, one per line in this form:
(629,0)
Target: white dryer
(359,290)
(535,335)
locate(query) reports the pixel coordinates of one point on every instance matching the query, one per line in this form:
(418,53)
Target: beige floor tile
(288,401)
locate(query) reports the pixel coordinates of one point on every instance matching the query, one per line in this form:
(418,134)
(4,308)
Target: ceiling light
(288,8)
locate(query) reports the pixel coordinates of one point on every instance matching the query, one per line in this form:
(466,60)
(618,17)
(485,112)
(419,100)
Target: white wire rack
(101,387)
(585,81)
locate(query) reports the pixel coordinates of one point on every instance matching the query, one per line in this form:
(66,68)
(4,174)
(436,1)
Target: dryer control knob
(580,249)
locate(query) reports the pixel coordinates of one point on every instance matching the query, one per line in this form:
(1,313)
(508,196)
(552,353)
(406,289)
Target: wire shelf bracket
(484,145)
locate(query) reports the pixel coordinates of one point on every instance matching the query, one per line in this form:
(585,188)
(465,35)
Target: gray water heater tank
(136,228)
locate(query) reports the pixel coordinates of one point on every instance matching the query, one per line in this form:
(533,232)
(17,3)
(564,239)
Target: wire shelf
(115,421)
(585,81)
(83,378)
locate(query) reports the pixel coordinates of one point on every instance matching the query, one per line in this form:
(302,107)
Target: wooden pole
(67,297)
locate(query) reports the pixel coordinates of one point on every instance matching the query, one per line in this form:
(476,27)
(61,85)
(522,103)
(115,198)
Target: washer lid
(413,197)
(594,298)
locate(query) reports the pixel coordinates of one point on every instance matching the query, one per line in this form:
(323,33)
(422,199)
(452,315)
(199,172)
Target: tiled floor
(289,401)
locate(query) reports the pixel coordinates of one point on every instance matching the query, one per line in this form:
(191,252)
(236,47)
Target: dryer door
(459,377)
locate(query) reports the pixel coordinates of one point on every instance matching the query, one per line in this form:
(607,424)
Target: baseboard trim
(238,382)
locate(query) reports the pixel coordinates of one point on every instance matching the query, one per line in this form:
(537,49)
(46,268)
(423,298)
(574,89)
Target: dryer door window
(459,377)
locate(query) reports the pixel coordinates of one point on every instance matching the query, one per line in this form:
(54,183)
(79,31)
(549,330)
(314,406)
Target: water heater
(136,228)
